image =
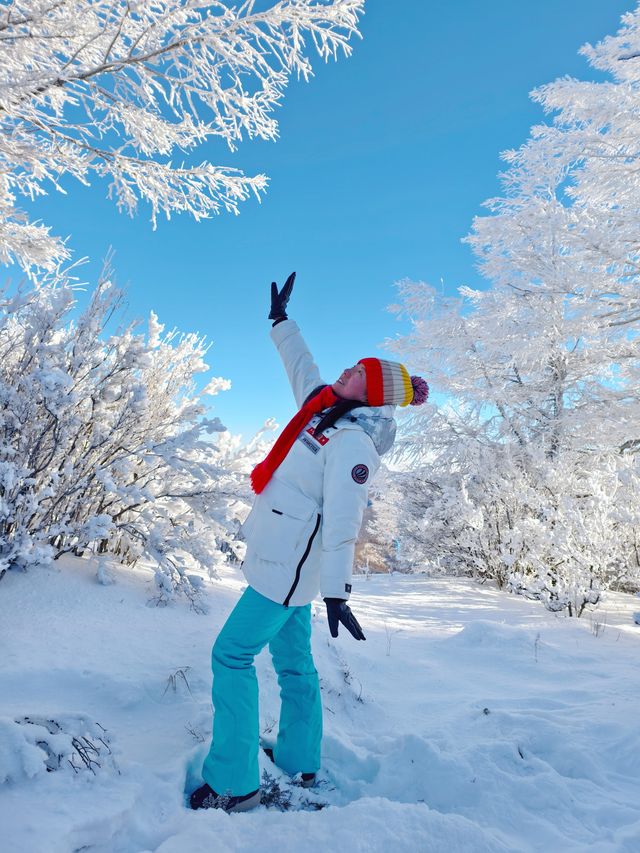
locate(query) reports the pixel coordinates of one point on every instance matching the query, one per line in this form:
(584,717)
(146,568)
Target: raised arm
(302,370)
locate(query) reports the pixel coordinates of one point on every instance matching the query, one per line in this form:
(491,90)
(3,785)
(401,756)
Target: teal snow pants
(231,767)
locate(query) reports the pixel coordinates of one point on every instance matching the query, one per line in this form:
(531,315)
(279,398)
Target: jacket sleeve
(301,369)
(351,462)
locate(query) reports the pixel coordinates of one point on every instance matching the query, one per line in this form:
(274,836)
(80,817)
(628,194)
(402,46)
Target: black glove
(339,611)
(280,299)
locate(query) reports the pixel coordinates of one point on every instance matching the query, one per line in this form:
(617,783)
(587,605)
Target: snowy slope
(469,721)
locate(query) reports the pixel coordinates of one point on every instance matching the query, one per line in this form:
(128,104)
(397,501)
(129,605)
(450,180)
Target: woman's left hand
(339,611)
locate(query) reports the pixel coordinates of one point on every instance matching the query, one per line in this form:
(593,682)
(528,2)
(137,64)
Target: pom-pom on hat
(389,382)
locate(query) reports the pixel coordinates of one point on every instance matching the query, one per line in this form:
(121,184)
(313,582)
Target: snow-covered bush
(532,459)
(127,90)
(104,442)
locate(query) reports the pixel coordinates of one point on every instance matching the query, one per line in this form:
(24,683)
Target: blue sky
(382,162)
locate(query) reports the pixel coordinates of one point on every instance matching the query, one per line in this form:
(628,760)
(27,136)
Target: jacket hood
(377,421)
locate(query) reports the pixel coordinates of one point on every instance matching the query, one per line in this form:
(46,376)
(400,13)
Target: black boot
(308,779)
(206,798)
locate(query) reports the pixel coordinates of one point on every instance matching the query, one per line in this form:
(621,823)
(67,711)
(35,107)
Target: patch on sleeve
(347,587)
(360,473)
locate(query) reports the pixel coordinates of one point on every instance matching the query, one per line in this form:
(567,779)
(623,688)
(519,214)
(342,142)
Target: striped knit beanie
(389,382)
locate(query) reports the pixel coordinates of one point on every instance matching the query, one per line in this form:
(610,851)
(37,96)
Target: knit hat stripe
(408,386)
(389,381)
(397,383)
(375,381)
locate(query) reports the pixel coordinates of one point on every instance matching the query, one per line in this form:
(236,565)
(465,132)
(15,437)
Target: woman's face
(352,384)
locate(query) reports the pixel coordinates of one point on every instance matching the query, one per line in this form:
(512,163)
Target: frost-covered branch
(120,88)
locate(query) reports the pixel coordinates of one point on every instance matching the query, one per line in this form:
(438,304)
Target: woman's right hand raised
(279,299)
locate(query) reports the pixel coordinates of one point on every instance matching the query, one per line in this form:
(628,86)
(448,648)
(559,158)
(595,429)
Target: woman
(311,492)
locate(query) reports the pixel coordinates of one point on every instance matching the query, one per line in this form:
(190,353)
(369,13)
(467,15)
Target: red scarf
(263,471)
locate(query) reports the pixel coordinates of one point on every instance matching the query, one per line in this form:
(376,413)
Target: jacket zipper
(302,562)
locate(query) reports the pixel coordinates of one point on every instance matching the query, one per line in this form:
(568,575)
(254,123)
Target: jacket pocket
(282,523)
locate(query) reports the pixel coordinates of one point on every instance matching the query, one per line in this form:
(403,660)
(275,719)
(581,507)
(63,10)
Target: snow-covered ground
(470,720)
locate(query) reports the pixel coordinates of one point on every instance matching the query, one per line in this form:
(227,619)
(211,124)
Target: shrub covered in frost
(105,442)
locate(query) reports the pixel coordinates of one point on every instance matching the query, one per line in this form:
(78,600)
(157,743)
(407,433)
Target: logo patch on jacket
(360,473)
(321,439)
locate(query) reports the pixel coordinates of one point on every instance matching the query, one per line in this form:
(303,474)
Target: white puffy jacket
(302,529)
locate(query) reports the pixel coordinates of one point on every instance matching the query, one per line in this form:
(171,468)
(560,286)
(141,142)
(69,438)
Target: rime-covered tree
(127,90)
(532,455)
